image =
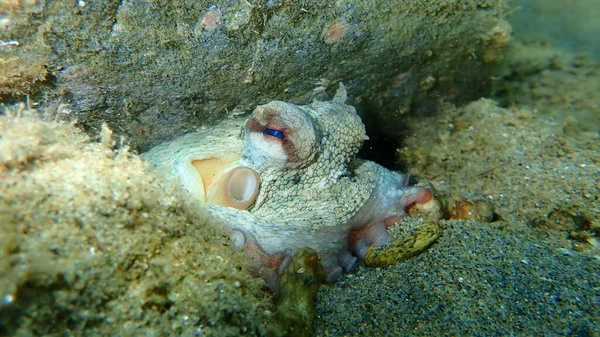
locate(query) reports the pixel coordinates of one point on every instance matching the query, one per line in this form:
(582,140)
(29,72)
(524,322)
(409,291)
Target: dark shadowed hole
(380,149)
(381,146)
(386,137)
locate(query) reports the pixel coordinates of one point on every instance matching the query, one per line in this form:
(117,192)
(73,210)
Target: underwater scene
(299,168)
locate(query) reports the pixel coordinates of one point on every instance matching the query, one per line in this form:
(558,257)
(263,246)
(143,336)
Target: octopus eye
(273,133)
(280,134)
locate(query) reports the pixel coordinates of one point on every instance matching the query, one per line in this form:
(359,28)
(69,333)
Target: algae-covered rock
(554,82)
(298,288)
(529,167)
(91,245)
(156,69)
(417,236)
(23,61)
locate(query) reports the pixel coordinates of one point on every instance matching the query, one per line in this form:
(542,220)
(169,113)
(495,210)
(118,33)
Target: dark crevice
(384,139)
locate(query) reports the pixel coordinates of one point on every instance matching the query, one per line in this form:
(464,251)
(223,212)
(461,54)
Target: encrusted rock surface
(155,69)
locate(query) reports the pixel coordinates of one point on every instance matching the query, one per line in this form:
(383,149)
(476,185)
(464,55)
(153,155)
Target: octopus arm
(386,205)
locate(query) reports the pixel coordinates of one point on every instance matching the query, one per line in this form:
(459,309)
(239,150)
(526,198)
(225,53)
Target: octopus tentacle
(262,264)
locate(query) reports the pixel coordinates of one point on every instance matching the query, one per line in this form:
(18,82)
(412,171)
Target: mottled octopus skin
(313,192)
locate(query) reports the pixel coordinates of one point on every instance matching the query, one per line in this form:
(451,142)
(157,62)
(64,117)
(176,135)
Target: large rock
(155,69)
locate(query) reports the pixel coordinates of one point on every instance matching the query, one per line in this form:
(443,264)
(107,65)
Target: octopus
(287,177)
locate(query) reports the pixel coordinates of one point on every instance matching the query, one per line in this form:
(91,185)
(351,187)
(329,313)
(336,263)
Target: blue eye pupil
(273,133)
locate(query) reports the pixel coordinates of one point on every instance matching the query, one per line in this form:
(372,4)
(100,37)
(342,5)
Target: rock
(154,70)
